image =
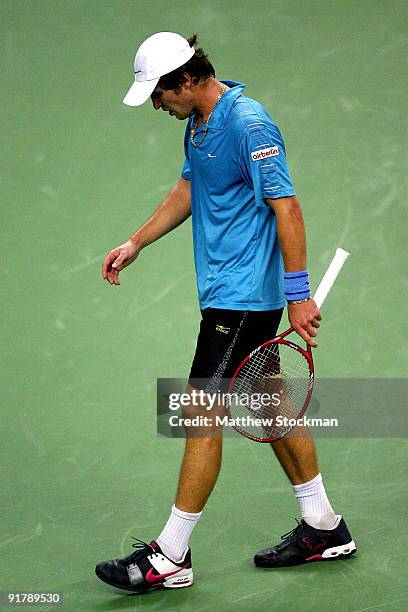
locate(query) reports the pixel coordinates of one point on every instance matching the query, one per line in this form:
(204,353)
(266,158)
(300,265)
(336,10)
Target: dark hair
(198,67)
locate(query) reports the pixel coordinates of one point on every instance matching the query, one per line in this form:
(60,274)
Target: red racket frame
(307,354)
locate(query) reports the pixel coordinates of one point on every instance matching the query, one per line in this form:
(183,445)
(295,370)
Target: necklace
(224,88)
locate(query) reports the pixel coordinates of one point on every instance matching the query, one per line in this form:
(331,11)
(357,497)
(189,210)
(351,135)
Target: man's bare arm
(290,228)
(175,208)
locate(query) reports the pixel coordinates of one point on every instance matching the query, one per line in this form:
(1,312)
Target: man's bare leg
(199,472)
(297,456)
(201,461)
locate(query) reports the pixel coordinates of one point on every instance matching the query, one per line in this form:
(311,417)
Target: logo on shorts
(222,329)
(270,152)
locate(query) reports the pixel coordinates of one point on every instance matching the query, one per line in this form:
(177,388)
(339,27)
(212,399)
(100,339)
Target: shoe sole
(336,553)
(172,582)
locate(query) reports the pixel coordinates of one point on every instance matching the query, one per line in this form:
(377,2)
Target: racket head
(277,366)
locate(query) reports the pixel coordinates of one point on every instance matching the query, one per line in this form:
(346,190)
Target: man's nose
(156,103)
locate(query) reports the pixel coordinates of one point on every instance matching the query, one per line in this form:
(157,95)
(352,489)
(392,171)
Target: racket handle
(331,274)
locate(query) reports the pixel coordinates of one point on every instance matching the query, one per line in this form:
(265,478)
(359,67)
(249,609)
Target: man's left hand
(304,318)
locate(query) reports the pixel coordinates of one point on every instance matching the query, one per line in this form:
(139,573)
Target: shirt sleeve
(263,164)
(185,172)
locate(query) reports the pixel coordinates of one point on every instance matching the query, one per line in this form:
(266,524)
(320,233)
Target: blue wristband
(296,285)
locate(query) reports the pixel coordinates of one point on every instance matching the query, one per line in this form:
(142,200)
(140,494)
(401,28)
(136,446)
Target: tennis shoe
(305,543)
(146,569)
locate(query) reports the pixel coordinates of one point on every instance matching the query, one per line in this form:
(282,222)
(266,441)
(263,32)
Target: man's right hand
(117,259)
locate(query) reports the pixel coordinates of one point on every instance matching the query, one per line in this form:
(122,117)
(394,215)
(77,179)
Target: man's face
(175,102)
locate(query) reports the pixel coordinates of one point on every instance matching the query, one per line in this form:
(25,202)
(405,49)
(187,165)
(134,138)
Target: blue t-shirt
(240,163)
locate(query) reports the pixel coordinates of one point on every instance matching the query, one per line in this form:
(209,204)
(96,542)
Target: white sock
(314,504)
(173,540)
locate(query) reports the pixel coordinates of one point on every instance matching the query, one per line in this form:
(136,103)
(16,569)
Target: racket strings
(274,382)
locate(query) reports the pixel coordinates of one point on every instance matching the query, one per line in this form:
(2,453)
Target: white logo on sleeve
(263,153)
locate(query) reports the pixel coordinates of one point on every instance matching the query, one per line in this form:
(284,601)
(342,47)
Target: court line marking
(90,261)
(385,603)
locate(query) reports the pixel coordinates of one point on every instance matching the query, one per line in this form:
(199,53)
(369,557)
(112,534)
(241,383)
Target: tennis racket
(272,387)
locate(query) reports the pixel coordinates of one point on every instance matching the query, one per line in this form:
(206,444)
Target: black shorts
(226,337)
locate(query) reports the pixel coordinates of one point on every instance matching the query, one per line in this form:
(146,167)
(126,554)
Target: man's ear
(187,80)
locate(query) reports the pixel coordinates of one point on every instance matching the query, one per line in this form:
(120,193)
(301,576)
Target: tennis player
(250,257)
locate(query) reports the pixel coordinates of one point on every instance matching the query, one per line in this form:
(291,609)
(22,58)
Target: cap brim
(139,92)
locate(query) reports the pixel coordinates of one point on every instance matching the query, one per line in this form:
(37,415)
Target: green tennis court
(82,466)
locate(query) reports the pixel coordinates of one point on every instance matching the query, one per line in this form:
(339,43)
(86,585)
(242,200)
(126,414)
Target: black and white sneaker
(146,569)
(304,544)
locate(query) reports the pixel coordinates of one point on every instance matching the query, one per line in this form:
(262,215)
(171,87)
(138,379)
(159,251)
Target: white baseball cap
(158,55)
